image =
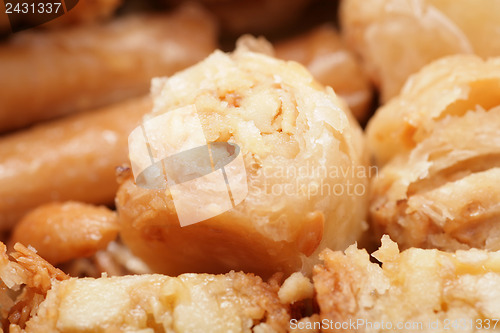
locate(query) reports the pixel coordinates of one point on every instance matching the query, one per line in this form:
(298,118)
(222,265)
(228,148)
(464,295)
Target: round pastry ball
(397,38)
(439,145)
(305,167)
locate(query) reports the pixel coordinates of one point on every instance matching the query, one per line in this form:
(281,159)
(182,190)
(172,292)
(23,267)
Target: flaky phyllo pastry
(412,291)
(36,297)
(306,169)
(434,290)
(438,144)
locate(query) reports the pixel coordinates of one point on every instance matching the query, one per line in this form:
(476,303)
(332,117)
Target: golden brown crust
(208,247)
(285,122)
(437,187)
(50,301)
(215,303)
(69,159)
(29,271)
(85,67)
(53,302)
(450,86)
(413,288)
(64,231)
(334,283)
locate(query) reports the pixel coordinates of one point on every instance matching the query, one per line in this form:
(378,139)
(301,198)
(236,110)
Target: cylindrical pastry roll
(73,158)
(63,231)
(396,38)
(50,73)
(324,54)
(303,164)
(439,142)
